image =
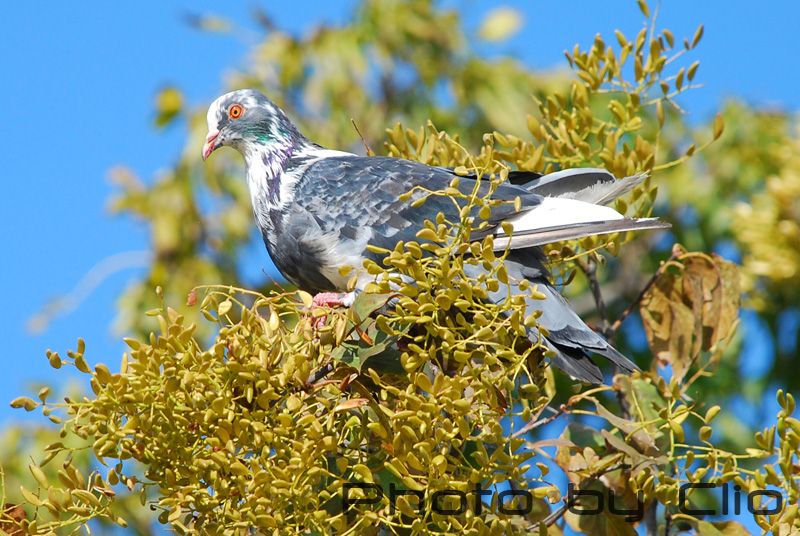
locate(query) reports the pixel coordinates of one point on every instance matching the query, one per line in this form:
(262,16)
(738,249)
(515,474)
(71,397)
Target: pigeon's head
(246,119)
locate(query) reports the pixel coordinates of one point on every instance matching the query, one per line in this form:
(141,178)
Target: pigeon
(319,209)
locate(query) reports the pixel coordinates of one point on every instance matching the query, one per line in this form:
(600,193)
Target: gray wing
(358,199)
(343,204)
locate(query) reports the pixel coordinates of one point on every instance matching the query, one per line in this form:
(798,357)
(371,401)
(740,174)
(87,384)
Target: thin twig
(589,267)
(534,424)
(572,498)
(676,252)
(667,522)
(650,520)
(366,145)
(98,274)
(558,514)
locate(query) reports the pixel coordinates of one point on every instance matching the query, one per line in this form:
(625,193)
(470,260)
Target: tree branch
(589,267)
(650,520)
(676,252)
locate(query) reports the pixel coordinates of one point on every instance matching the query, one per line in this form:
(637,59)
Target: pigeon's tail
(549,235)
(573,207)
(570,339)
(590,185)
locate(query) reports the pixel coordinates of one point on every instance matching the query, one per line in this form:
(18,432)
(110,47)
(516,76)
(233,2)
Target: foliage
(24,447)
(251,412)
(737,198)
(767,226)
(245,435)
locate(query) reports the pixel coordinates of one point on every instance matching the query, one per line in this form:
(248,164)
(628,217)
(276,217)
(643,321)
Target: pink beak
(210,144)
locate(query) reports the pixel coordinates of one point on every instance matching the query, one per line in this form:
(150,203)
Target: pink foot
(325,299)
(328,298)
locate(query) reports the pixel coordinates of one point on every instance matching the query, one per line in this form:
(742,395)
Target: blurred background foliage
(735,198)
(344,85)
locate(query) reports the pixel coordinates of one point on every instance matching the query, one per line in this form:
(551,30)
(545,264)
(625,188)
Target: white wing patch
(319,154)
(558,211)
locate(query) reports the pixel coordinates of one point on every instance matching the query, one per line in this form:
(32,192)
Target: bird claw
(325,299)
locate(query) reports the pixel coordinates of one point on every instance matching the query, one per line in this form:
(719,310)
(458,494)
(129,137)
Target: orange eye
(235,111)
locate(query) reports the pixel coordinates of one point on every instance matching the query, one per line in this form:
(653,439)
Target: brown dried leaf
(352,403)
(572,445)
(692,307)
(603,523)
(11,520)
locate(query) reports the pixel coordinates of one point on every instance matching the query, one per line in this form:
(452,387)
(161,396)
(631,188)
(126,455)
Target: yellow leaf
(692,307)
(500,24)
(719,126)
(305,297)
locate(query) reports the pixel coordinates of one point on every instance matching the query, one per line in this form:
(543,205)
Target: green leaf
(719,528)
(645,9)
(382,355)
(169,103)
(365,304)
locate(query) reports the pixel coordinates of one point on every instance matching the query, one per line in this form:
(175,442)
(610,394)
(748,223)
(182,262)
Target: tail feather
(548,235)
(574,207)
(569,334)
(575,363)
(592,185)
(570,339)
(616,357)
(564,333)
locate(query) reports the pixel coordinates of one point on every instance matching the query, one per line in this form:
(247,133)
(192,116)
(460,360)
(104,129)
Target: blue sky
(77,91)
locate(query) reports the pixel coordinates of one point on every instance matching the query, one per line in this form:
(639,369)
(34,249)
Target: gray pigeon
(318,210)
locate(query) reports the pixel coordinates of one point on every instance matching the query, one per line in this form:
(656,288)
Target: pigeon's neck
(265,166)
(271,185)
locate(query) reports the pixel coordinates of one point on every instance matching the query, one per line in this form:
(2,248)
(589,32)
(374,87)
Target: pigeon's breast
(310,257)
(300,266)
